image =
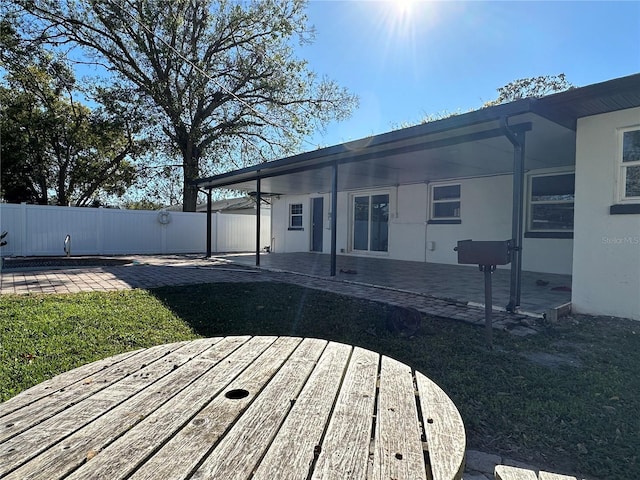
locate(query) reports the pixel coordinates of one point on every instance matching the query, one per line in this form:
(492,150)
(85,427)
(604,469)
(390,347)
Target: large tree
(218,77)
(54,148)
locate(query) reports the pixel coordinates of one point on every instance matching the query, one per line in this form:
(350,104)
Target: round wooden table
(234,408)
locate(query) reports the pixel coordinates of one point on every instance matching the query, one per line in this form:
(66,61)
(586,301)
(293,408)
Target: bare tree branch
(216,74)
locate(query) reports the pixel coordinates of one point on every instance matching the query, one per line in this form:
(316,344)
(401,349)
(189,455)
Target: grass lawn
(567,399)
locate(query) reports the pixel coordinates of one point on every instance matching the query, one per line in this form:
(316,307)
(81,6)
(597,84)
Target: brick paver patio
(157,271)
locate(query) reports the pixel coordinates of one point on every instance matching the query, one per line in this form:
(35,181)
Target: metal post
(517,226)
(488,303)
(334,217)
(209,205)
(517,216)
(258,201)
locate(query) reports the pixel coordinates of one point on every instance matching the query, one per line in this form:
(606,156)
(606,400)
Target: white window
(445,202)
(295,216)
(630,165)
(551,198)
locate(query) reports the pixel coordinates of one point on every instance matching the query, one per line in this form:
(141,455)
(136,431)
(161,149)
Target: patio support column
(517,217)
(258,202)
(209,223)
(334,216)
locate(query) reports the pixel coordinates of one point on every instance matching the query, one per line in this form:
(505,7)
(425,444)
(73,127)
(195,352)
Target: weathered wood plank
(124,455)
(69,454)
(240,450)
(46,407)
(554,476)
(444,430)
(309,410)
(398,447)
(504,472)
(186,449)
(351,422)
(142,379)
(52,385)
(35,440)
(293,450)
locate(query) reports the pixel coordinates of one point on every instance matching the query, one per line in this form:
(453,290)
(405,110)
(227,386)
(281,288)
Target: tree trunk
(63,201)
(190,173)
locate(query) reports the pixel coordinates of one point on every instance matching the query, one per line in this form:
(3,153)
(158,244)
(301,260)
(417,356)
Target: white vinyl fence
(37,230)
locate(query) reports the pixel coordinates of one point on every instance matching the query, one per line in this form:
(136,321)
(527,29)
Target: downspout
(517,216)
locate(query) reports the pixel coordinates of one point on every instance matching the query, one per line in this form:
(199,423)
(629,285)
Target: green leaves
(220,77)
(531,87)
(57,149)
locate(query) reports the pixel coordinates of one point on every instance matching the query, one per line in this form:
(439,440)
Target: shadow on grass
(565,399)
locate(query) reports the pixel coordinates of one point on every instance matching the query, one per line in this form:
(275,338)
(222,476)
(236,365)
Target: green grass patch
(43,335)
(566,399)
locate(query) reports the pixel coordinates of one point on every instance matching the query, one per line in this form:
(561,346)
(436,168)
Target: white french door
(370,223)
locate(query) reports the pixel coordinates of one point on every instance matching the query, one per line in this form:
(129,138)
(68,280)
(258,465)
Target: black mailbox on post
(484,252)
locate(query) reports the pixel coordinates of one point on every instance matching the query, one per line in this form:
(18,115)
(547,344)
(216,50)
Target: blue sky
(408,59)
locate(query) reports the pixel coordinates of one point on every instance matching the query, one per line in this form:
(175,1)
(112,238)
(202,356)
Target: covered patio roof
(467,145)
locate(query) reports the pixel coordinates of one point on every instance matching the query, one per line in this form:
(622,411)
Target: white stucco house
(559,176)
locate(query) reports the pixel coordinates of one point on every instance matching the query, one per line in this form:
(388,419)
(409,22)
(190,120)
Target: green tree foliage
(55,149)
(218,77)
(143,204)
(531,87)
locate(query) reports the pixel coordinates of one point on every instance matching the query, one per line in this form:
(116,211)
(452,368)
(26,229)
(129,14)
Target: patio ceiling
(467,145)
(468,151)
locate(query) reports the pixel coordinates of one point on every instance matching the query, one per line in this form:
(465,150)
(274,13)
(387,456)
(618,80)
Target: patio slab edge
(519,323)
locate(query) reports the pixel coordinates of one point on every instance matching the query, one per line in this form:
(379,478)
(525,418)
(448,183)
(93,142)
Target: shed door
(317,206)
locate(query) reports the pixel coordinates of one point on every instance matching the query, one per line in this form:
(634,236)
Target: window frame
(293,215)
(532,232)
(622,166)
(433,218)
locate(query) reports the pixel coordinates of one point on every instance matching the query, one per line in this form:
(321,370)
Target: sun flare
(404,7)
(403,24)
(401,16)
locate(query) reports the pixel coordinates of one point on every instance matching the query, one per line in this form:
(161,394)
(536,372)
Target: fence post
(24,247)
(100,231)
(216,230)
